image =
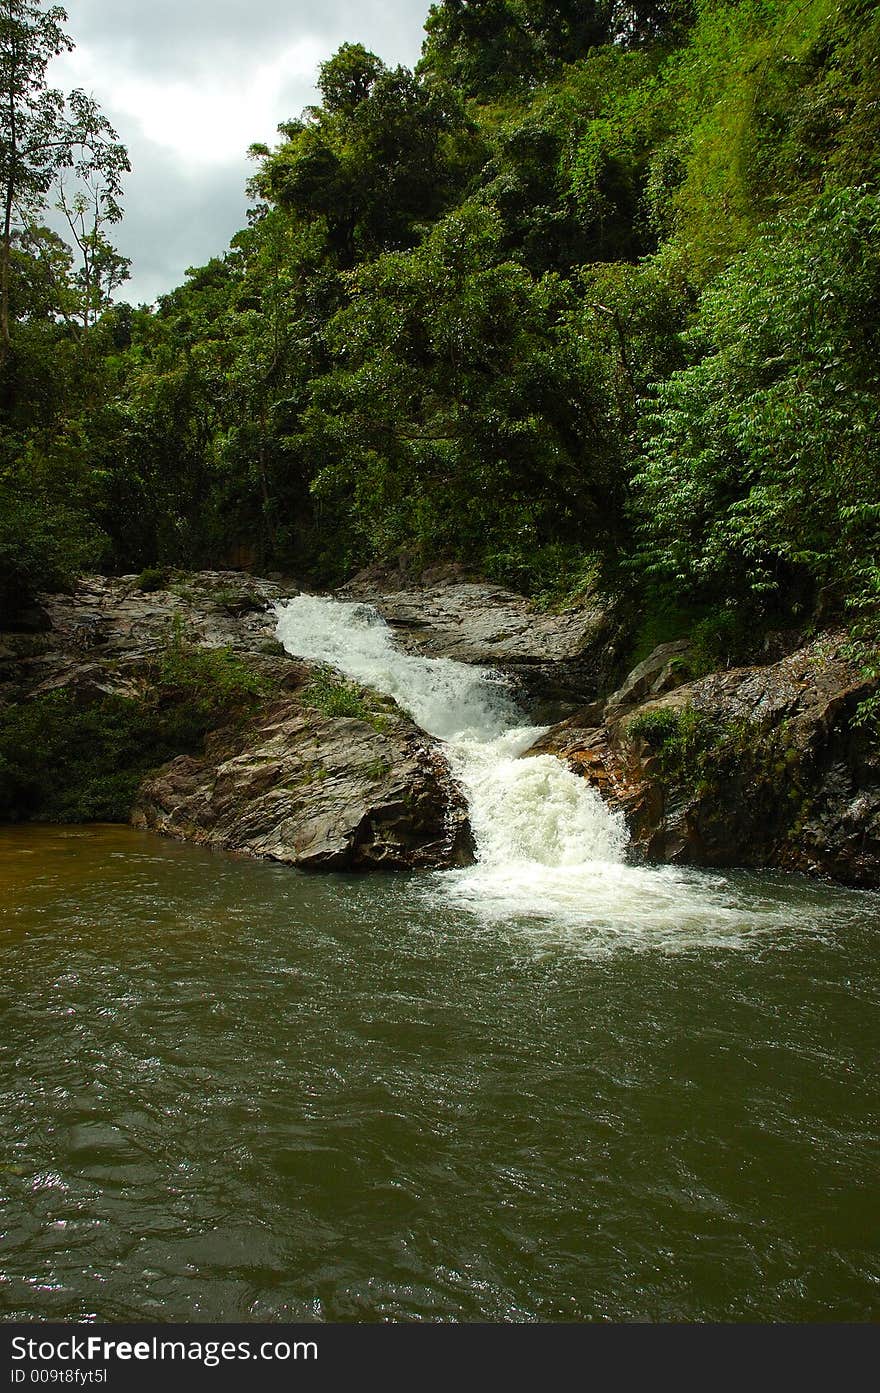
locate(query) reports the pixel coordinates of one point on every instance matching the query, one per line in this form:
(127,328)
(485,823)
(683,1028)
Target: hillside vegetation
(592,296)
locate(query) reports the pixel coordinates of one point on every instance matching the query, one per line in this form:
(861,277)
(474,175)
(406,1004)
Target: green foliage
(48,143)
(720,640)
(663,622)
(717,638)
(864,607)
(557,575)
(66,759)
(152,578)
(52,369)
(681,739)
(452,422)
(760,471)
(41,548)
(487,48)
(209,686)
(589,298)
(451,330)
(750,770)
(63,761)
(379,157)
(336,696)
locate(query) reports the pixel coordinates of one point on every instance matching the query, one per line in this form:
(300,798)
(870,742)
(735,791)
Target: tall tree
(42,134)
(489,47)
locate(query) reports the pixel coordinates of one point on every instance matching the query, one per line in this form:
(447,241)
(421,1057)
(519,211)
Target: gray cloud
(181,209)
(182,35)
(175,218)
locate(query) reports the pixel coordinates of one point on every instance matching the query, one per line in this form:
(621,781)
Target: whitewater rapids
(550,854)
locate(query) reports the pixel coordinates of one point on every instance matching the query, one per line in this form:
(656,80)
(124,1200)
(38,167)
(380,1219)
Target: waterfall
(549,851)
(528,815)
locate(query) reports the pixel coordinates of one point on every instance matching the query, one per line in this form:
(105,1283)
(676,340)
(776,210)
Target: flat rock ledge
(786,776)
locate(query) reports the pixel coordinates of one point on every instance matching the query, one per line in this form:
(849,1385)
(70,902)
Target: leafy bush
(335,696)
(63,759)
(42,545)
(738,762)
(556,575)
(720,640)
(210,685)
(681,738)
(153,578)
(760,470)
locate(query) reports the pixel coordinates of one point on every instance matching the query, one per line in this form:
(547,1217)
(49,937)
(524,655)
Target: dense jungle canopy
(592,296)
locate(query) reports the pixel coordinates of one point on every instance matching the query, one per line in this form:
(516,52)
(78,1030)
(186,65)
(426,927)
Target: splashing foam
(550,853)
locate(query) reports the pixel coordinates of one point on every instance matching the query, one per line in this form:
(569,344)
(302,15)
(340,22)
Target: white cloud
(204,122)
(189,85)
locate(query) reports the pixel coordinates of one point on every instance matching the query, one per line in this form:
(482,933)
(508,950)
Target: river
(552,1086)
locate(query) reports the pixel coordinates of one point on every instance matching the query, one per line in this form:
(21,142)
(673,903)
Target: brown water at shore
(231,1091)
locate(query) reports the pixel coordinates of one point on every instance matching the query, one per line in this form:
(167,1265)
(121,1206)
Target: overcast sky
(189,85)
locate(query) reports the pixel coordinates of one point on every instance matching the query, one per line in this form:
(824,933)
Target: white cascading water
(549,851)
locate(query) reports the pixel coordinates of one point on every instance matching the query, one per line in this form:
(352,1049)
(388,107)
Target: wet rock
(317,792)
(774,771)
(555,662)
(295,784)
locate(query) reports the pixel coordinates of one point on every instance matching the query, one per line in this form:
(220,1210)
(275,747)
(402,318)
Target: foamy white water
(549,851)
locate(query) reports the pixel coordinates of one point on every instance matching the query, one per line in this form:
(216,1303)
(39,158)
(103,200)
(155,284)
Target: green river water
(234,1092)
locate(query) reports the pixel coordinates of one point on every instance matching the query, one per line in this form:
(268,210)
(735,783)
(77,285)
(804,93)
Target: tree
(454,420)
(488,47)
(347,79)
(42,136)
(760,475)
(382,156)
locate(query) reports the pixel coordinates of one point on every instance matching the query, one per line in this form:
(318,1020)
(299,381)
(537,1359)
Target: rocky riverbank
(297,765)
(233,744)
(759,766)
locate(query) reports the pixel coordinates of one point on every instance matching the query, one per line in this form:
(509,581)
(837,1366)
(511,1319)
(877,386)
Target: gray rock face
(662,671)
(779,774)
(295,784)
(317,792)
(217,609)
(107,628)
(555,662)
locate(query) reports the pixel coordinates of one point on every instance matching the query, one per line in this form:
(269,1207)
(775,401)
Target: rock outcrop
(763,766)
(319,792)
(758,766)
(555,662)
(100,635)
(293,783)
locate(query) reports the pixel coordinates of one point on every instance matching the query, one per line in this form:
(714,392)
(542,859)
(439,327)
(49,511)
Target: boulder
(663,670)
(770,768)
(317,792)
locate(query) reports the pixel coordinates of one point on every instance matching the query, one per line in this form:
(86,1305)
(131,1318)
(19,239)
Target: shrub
(153,578)
(760,475)
(334,696)
(681,738)
(63,759)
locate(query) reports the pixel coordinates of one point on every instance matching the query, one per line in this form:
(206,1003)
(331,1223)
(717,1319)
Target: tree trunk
(6,249)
